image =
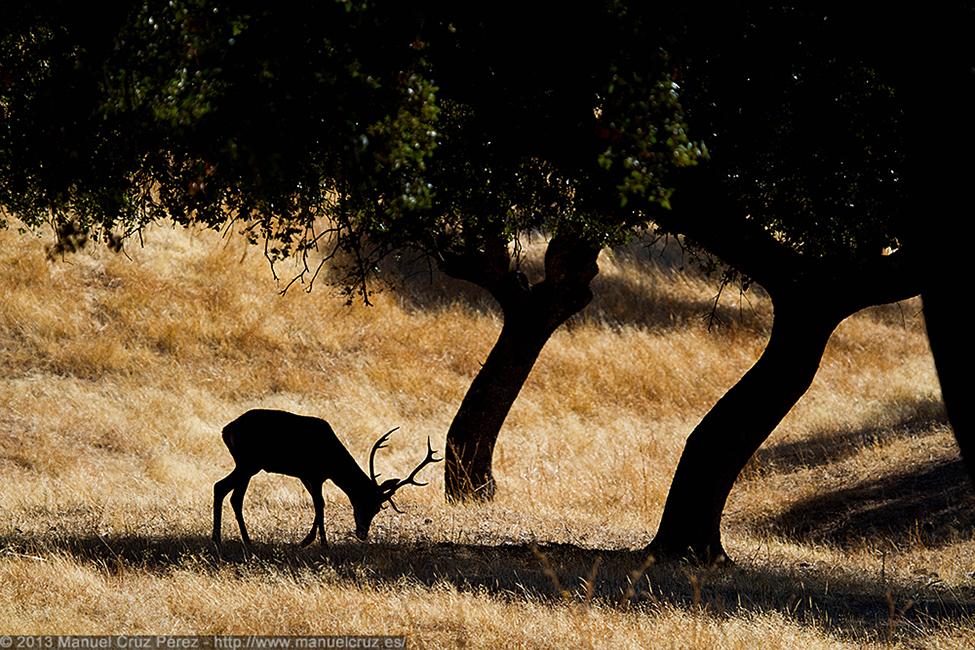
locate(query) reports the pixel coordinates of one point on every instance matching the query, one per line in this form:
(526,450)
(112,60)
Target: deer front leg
(319,523)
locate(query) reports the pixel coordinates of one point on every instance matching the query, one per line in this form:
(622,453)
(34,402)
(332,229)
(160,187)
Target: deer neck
(354,482)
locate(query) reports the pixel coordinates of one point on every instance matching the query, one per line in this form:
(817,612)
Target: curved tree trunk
(718,449)
(475,428)
(531,315)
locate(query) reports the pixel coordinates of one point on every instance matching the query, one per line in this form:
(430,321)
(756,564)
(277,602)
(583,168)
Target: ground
(853,526)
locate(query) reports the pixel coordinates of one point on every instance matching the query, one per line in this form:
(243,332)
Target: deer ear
(388,485)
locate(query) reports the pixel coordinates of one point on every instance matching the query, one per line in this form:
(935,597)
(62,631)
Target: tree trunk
(475,428)
(951,344)
(531,315)
(942,194)
(718,449)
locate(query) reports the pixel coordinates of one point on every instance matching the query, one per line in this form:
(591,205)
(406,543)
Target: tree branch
(488,266)
(878,281)
(570,266)
(703,212)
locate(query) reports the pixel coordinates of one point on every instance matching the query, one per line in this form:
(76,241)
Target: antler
(380,444)
(410,480)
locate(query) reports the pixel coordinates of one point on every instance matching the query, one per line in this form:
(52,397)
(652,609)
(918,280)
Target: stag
(307,448)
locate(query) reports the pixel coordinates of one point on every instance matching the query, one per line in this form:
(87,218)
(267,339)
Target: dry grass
(853,526)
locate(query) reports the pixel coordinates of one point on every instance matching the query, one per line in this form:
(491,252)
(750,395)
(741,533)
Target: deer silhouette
(307,448)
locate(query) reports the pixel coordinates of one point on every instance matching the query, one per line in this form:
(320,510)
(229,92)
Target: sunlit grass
(118,374)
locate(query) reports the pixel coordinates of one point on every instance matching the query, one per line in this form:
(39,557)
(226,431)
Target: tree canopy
(406,126)
(204,112)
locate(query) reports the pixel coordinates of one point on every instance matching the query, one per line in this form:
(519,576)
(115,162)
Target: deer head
(383,492)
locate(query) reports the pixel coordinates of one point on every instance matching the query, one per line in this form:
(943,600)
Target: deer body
(307,448)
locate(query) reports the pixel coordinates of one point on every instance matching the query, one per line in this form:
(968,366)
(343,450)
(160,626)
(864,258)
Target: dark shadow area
(932,505)
(825,447)
(634,299)
(637,301)
(845,604)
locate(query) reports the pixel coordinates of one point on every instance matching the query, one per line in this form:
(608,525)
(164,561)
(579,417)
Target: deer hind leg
(220,490)
(239,482)
(319,523)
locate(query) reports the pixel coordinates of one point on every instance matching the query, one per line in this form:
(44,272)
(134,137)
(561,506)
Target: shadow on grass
(932,505)
(637,300)
(846,604)
(825,447)
(633,299)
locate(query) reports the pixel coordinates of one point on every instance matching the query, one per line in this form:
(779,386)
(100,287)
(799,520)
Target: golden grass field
(853,527)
